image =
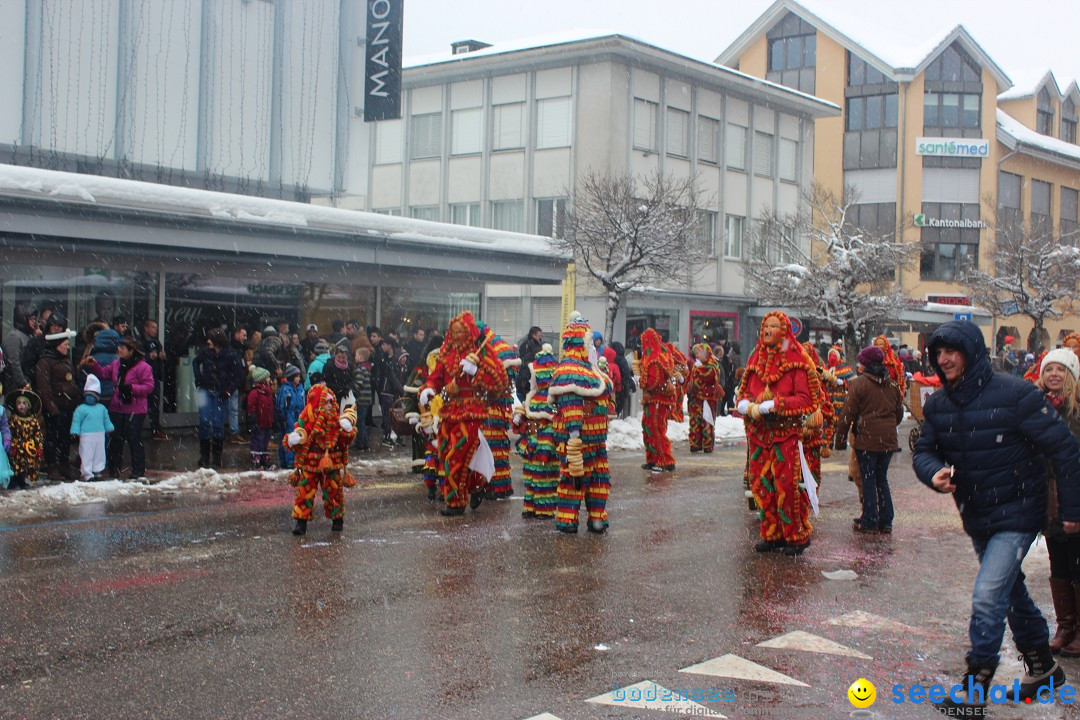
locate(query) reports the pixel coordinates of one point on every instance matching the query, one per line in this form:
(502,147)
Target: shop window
(665,322)
(712,327)
(405,309)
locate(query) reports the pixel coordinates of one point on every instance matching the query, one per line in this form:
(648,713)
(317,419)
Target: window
(425,212)
(466,214)
(763,154)
(946,261)
(1010,216)
(551,217)
(789,153)
(678,133)
(395,211)
(792,53)
(1040,207)
(734,228)
(553,122)
(507,126)
(645,125)
(465,129)
(871,112)
(1068,121)
(387,142)
(862,73)
(953,65)
(949,248)
(508,215)
(707,231)
(735,153)
(708,137)
(1070,203)
(426,136)
(1044,120)
(951,110)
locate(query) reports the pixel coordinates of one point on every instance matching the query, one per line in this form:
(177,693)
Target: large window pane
(405,309)
(508,215)
(708,139)
(678,139)
(507,126)
(930,110)
(970,117)
(735,152)
(950,110)
(874,109)
(426,136)
(553,122)
(644,124)
(466,131)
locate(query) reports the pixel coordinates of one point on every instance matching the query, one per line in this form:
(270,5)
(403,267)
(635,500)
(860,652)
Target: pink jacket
(141,379)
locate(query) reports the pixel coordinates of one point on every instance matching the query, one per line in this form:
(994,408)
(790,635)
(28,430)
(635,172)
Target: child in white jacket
(90,423)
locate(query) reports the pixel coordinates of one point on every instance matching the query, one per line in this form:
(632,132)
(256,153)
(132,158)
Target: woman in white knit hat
(1059,377)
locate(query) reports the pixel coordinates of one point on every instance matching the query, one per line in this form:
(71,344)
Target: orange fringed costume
(465,406)
(658,400)
(322,456)
(778,372)
(703,387)
(819,429)
(893,364)
(681,366)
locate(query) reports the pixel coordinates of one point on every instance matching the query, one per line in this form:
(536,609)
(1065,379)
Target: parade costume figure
(681,365)
(893,364)
(496,428)
(6,473)
(837,388)
(27,449)
(468,374)
(703,388)
(424,449)
(582,398)
(536,441)
(90,423)
(658,401)
(819,428)
(774,398)
(320,441)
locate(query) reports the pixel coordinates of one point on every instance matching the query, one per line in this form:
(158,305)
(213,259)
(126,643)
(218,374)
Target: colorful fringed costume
(703,387)
(496,428)
(582,399)
(819,428)
(322,455)
(775,396)
(27,437)
(681,367)
(468,374)
(837,388)
(536,441)
(893,364)
(658,400)
(424,450)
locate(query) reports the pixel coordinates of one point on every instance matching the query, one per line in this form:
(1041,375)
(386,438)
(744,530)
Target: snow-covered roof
(892,47)
(1016,136)
(591,41)
(1029,82)
(228,208)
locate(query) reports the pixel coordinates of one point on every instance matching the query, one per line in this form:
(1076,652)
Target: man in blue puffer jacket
(986,440)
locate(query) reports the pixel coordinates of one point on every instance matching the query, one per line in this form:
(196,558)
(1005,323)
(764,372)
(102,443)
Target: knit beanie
(291,371)
(871,355)
(259,374)
(322,347)
(1065,357)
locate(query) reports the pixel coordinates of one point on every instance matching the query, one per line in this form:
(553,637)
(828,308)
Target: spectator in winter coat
(311,339)
(629,387)
(104,352)
(133,381)
(288,404)
(613,370)
(59,397)
(53,323)
(217,378)
(527,349)
(390,387)
(154,354)
(415,346)
(984,441)
(338,372)
(269,352)
(296,356)
(315,369)
(15,342)
(364,395)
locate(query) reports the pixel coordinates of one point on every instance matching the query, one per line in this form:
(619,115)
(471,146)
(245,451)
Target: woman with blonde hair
(1059,378)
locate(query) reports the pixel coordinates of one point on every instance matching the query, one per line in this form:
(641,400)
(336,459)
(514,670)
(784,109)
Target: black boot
(976,688)
(476,498)
(204,453)
(452,511)
(300,528)
(431,492)
(338,525)
(1042,670)
(216,445)
(769,545)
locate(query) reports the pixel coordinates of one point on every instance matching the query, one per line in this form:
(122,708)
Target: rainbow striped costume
(536,443)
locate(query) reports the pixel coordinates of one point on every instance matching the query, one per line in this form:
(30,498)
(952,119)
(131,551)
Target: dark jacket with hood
(998,431)
(624,367)
(55,383)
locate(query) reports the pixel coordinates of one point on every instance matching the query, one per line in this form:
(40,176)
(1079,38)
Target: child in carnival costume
(6,473)
(681,365)
(27,448)
(659,397)
(90,423)
(321,440)
(536,441)
(496,428)
(819,427)
(582,398)
(774,398)
(468,374)
(425,451)
(703,388)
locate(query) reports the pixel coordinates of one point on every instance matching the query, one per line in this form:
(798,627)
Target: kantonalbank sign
(952,147)
(921,220)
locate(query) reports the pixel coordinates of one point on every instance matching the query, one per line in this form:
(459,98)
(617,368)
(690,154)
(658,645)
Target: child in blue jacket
(288,404)
(90,423)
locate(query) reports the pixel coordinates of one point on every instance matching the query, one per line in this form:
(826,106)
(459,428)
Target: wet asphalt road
(200,605)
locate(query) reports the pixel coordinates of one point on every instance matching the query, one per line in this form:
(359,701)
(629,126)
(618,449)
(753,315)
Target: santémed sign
(952,147)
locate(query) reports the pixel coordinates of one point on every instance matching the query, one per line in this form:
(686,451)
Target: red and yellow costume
(842,375)
(778,373)
(819,428)
(658,400)
(465,399)
(703,387)
(582,399)
(496,427)
(681,366)
(893,364)
(322,457)
(536,442)
(426,456)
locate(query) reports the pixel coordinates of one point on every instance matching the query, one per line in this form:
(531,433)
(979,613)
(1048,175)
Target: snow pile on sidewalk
(626,434)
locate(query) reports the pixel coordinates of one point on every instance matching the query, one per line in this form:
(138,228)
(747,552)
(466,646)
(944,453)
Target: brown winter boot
(1072,649)
(1065,610)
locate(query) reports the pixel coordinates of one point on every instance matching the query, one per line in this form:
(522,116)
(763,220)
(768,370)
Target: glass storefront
(711,327)
(405,309)
(664,321)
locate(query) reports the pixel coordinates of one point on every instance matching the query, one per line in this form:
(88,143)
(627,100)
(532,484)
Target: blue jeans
(211,415)
(877,499)
(361,441)
(1000,594)
(234,413)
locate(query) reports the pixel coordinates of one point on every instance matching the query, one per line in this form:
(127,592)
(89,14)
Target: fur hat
(1065,357)
(871,355)
(92,386)
(259,374)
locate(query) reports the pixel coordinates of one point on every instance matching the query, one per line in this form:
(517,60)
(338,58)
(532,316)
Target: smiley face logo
(862,693)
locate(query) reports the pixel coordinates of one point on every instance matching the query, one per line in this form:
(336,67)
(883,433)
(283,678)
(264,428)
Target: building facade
(928,140)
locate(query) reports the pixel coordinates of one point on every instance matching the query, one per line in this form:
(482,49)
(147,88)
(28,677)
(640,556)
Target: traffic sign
(962,317)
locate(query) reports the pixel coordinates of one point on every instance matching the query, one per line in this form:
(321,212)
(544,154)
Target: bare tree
(1033,272)
(824,264)
(631,233)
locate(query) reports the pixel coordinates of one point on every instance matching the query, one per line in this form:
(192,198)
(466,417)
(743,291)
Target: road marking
(799,640)
(650,696)
(543,716)
(868,621)
(733,666)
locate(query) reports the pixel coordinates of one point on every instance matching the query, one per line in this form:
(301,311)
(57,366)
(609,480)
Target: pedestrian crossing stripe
(651,696)
(543,716)
(799,640)
(733,666)
(868,621)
